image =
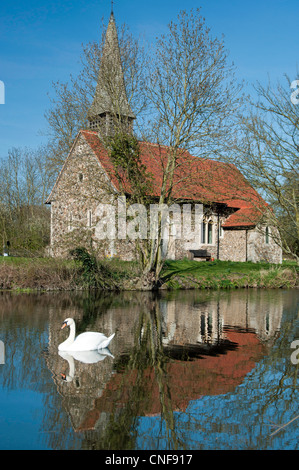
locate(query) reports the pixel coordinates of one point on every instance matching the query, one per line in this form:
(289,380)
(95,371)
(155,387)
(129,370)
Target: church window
(210,233)
(221,234)
(80,177)
(203,233)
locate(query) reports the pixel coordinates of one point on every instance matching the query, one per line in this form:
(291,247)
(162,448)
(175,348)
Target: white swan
(88,341)
(87,357)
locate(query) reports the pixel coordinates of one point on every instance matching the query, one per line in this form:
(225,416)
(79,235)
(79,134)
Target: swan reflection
(86,357)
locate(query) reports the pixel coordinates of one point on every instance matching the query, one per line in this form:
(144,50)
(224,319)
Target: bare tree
(192,89)
(268,154)
(194,98)
(25,182)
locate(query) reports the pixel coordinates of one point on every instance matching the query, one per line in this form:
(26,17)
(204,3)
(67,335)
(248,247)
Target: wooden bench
(200,254)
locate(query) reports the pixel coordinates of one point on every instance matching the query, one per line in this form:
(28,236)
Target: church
(231,222)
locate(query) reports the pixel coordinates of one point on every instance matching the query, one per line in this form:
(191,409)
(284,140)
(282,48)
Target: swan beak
(63,325)
(63,376)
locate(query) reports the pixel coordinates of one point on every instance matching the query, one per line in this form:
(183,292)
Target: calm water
(187,370)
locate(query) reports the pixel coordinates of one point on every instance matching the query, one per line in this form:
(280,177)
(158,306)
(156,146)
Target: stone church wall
(261,248)
(232,245)
(83,185)
(79,190)
(238,245)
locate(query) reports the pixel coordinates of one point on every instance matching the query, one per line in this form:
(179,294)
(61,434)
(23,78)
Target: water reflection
(169,349)
(185,370)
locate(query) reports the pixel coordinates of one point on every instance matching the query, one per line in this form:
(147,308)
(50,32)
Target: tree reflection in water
(169,361)
(189,369)
(142,369)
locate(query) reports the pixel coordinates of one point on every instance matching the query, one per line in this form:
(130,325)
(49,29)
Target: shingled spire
(110,107)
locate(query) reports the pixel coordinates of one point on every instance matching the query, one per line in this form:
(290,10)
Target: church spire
(110,106)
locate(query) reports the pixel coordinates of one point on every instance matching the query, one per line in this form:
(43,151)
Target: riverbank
(229,275)
(46,274)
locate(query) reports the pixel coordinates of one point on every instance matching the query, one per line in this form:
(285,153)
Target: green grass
(227,274)
(34,261)
(24,274)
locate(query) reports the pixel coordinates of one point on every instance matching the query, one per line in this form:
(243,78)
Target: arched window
(221,234)
(210,233)
(203,233)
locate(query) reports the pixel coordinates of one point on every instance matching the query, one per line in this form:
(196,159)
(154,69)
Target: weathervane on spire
(112,3)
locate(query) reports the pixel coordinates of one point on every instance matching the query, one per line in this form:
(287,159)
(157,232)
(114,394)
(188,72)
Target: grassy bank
(36,273)
(186,274)
(25,274)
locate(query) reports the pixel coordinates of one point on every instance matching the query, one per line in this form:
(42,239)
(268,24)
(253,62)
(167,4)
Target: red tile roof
(195,179)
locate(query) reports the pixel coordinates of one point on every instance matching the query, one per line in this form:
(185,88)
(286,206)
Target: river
(186,370)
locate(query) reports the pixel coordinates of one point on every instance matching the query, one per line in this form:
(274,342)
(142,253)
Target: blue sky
(41,43)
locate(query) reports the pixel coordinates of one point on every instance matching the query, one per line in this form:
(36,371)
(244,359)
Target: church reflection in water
(168,349)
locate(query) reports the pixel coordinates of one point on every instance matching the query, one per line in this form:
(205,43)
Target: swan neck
(72,333)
